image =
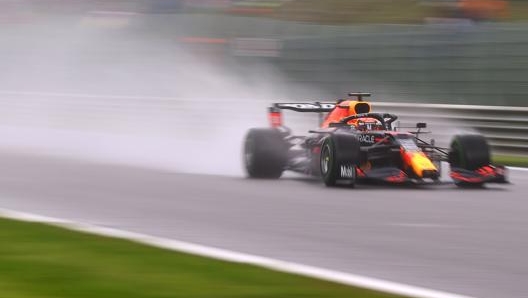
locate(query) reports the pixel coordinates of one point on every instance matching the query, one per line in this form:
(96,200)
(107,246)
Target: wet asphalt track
(472,242)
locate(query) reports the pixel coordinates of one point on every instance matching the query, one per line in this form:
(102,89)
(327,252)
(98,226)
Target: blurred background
(104,102)
(142,81)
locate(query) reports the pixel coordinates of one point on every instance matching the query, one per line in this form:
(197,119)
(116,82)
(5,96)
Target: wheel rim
(325,160)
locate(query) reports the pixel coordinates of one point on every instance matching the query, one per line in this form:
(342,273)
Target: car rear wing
(275,114)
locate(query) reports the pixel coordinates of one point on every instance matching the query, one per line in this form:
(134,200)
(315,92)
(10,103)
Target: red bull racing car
(354,144)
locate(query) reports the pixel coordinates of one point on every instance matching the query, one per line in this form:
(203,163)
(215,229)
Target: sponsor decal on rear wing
(317,107)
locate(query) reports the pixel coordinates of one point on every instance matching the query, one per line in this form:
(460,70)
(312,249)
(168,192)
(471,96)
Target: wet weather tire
(469,152)
(265,153)
(339,157)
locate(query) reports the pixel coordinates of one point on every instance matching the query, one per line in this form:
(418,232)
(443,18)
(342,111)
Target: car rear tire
(469,152)
(265,153)
(339,158)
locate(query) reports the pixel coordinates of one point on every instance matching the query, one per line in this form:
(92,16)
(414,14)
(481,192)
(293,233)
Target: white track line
(518,169)
(232,256)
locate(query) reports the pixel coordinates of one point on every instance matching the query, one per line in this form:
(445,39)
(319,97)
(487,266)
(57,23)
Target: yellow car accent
(420,163)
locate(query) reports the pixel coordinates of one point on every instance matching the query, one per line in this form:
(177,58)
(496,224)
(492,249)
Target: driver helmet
(367,124)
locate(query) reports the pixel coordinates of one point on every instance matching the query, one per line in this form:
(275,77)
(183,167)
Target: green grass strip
(38,260)
(511,160)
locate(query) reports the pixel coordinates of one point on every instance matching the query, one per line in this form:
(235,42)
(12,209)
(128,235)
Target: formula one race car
(353,144)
